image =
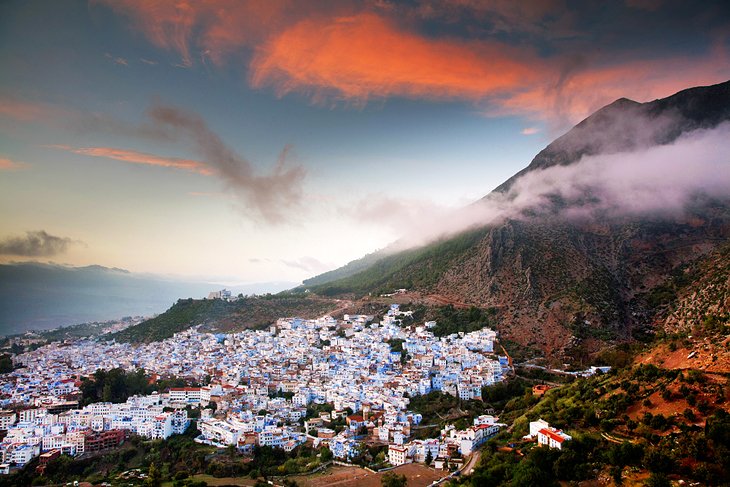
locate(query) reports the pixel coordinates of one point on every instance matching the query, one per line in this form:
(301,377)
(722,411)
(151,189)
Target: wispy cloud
(269,197)
(35,244)
(530,131)
(648,180)
(135,157)
(11,165)
(272,196)
(23,110)
(120,61)
(73,120)
(660,179)
(307,264)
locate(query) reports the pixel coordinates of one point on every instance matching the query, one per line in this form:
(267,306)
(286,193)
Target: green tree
(106,394)
(429,457)
(6,364)
(154,476)
(391,479)
(528,474)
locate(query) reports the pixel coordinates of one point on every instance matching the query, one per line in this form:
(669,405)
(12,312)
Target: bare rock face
(705,300)
(554,281)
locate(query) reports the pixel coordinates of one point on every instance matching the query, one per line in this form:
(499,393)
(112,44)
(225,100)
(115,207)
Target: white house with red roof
(397,454)
(552,438)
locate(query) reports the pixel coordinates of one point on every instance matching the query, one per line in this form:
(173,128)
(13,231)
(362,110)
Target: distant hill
(43,296)
(559,283)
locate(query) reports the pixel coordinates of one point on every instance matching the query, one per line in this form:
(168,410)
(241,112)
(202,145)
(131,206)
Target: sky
(273,140)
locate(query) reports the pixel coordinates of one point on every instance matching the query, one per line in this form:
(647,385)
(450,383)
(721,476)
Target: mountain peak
(625,125)
(622,102)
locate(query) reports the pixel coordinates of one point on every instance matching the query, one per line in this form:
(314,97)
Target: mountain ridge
(560,284)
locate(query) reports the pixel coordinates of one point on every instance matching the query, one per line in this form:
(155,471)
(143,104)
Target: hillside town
(335,383)
(98,426)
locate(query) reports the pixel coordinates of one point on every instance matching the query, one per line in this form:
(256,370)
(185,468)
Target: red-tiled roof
(552,435)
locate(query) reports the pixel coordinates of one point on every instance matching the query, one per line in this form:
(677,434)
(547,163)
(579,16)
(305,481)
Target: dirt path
(473,460)
(342,305)
(443,300)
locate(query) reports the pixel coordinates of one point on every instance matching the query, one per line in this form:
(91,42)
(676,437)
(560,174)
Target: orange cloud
(135,157)
(24,111)
(10,165)
(342,51)
(584,91)
(364,56)
(209,29)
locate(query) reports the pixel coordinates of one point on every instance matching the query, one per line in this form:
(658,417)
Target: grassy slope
(252,312)
(414,268)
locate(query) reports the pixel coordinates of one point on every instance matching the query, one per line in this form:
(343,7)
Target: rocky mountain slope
(558,282)
(702,297)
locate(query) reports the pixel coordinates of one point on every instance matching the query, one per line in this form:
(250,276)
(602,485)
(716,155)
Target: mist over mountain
(43,296)
(572,250)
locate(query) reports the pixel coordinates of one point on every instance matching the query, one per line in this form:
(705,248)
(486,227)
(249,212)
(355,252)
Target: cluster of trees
(175,460)
(177,456)
(6,363)
(116,385)
(439,408)
(313,409)
(454,320)
(499,394)
(268,462)
(541,466)
(418,316)
(396,344)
